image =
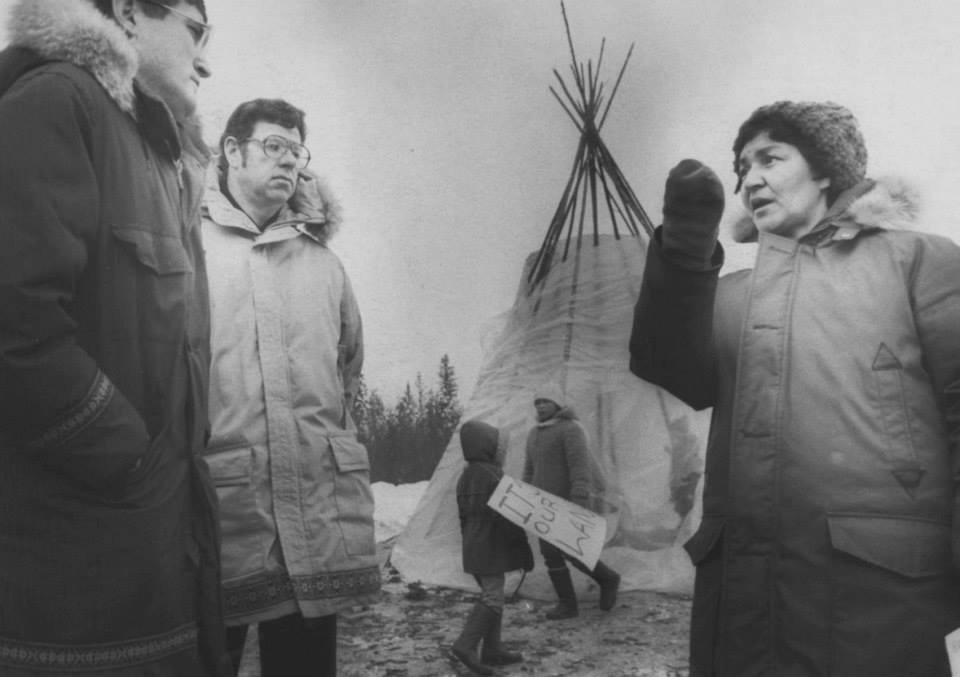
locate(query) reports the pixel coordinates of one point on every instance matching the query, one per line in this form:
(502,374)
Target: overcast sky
(432,121)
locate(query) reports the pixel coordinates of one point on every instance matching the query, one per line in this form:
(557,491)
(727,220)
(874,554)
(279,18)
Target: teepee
(569,326)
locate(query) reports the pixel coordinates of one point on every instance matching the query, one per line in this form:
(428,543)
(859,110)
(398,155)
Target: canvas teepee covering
(570,326)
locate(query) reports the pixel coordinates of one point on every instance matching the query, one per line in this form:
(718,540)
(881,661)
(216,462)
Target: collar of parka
(76,32)
(319,224)
(881,204)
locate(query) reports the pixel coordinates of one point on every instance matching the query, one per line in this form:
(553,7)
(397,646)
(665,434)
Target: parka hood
(885,204)
(480,441)
(313,207)
(76,32)
(563,414)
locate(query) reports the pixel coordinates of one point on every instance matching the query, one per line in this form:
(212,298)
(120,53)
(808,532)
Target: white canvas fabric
(573,330)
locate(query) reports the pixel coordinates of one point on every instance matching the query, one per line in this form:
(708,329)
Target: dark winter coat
(833,368)
(492,544)
(108,545)
(557,459)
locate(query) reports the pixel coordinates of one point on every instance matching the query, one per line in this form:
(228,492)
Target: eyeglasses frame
(289,146)
(205,29)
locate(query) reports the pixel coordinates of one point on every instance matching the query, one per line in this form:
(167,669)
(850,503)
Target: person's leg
(292,646)
(478,625)
(236,638)
(556,565)
(607,578)
(492,595)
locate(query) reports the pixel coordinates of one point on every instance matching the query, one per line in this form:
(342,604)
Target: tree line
(405,442)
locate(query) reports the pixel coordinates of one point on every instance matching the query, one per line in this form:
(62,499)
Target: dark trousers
(290,646)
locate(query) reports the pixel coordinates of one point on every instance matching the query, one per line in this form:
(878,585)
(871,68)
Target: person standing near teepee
(829,539)
(492,546)
(558,461)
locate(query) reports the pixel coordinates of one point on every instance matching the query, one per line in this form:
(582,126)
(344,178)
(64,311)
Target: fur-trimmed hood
(76,32)
(884,204)
(563,414)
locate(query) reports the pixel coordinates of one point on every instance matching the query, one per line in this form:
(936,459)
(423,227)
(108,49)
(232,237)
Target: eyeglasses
(276,147)
(198,30)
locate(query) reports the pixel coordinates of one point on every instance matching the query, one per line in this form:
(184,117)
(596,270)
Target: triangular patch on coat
(909,478)
(885,359)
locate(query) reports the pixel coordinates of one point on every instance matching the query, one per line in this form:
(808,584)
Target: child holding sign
(492,546)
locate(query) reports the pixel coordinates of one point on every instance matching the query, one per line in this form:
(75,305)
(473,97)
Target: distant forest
(406,442)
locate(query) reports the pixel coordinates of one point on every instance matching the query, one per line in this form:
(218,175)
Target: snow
(393,506)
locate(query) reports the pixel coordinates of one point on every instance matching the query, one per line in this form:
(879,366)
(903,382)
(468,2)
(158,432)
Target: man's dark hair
(106,7)
(246,116)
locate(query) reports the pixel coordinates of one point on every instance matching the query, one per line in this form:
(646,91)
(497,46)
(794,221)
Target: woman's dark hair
(246,116)
(780,130)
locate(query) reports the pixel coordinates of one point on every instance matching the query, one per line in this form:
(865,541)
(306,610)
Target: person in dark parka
(492,546)
(557,460)
(833,370)
(108,534)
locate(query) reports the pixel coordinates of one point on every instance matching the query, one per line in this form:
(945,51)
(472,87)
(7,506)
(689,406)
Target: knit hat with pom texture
(832,132)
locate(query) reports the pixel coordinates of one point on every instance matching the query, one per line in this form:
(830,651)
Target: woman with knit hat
(833,370)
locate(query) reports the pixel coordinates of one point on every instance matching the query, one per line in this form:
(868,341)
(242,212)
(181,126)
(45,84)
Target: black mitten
(692,207)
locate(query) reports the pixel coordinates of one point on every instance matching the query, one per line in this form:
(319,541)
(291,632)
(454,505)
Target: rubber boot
(493,652)
(567,604)
(464,648)
(609,581)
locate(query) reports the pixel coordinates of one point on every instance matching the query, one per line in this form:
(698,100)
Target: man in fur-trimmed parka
(108,543)
(557,460)
(833,370)
(293,481)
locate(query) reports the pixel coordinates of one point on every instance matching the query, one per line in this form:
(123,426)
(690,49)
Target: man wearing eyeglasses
(293,481)
(108,531)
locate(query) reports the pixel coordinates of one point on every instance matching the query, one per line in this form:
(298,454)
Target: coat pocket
(151,276)
(163,254)
(231,471)
(912,548)
(354,497)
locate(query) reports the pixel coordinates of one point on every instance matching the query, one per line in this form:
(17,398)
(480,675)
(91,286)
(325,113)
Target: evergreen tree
(406,442)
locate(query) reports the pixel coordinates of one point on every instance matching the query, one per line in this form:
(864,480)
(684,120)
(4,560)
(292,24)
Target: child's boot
(464,648)
(609,581)
(493,652)
(567,605)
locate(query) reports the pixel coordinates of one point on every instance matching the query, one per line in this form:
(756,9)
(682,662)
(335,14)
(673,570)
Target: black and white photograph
(436,338)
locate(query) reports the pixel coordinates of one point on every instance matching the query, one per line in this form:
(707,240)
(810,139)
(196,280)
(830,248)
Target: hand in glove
(692,207)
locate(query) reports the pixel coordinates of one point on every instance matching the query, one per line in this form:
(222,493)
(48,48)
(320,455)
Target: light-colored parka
(293,481)
(833,368)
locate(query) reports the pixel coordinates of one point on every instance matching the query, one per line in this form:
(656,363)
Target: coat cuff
(79,416)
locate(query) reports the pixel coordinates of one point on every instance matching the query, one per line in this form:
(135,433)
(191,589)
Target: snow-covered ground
(393,506)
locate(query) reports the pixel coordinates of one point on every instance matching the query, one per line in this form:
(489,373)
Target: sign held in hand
(577,531)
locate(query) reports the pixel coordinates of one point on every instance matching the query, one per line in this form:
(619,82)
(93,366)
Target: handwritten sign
(577,531)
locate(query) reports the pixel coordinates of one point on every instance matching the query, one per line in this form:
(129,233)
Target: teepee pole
(616,86)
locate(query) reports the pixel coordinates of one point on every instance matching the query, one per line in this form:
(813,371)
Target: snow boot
(609,581)
(464,648)
(567,605)
(493,652)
